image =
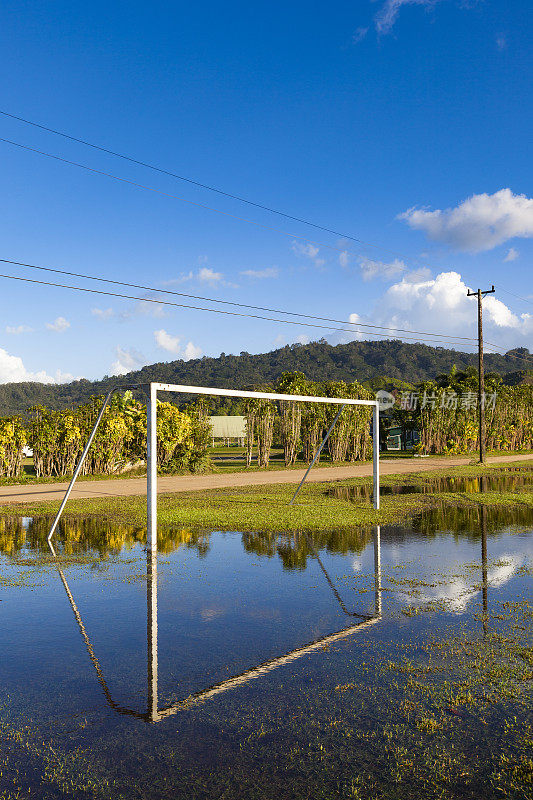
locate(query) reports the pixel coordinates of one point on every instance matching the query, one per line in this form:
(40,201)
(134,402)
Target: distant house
(398,439)
(232,430)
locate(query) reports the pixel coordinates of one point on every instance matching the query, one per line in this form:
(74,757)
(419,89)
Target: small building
(401,439)
(231,429)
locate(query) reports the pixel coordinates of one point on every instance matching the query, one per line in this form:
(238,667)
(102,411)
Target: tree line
(445,413)
(58,437)
(383,364)
(446,423)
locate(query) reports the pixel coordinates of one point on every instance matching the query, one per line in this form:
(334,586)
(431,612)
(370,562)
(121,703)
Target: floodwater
(508,480)
(234,665)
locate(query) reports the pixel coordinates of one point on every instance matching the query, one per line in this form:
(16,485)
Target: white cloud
(344,258)
(128,360)
(172,344)
(481,222)
(388,14)
(379,269)
(354,319)
(183,278)
(441,304)
(203,275)
(150,309)
(12,370)
(146,308)
(65,377)
(167,342)
(16,330)
(310,251)
(512,254)
(207,275)
(500,314)
(359,35)
(283,339)
(259,274)
(191,351)
(102,313)
(59,325)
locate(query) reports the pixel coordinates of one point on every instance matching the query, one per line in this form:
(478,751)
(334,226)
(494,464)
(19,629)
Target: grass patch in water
(443,718)
(266,508)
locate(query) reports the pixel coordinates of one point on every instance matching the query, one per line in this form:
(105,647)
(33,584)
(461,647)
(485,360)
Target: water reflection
(432,485)
(102,538)
(468,520)
(154,628)
(484,571)
(155,714)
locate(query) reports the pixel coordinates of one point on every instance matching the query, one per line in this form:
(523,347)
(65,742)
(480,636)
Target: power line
(214,189)
(168,194)
(518,297)
(508,354)
(222,192)
(215,210)
(196,204)
(201,185)
(230,302)
(451,342)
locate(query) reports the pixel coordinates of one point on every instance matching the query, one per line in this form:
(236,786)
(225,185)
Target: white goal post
(152,389)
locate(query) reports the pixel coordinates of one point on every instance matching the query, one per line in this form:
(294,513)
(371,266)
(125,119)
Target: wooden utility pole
(481,388)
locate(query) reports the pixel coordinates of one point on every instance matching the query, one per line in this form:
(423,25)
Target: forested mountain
(379,364)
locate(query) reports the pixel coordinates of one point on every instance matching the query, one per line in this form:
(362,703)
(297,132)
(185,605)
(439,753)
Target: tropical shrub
(351,436)
(56,439)
(12,441)
(59,437)
(191,453)
(447,414)
(260,415)
(173,430)
(290,413)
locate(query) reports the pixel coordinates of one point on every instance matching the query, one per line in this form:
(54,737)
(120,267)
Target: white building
(231,430)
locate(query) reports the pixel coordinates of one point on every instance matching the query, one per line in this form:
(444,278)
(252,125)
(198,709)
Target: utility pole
(481,389)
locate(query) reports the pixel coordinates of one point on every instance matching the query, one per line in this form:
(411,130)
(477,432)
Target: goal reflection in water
(155,714)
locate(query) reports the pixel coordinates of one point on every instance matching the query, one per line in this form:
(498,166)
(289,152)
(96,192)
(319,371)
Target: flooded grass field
(504,480)
(390,662)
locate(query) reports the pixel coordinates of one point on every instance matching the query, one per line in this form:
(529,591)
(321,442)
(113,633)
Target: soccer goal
(151,390)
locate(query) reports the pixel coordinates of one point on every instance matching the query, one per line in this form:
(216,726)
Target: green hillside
(381,364)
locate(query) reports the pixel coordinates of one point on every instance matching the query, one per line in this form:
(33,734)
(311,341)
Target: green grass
(266,508)
(262,508)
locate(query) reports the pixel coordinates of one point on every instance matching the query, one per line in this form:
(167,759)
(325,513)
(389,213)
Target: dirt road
(28,493)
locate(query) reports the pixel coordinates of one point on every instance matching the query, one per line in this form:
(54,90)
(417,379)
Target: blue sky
(404,123)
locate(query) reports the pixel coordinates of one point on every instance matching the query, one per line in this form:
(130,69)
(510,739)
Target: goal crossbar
(303,398)
(151,390)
